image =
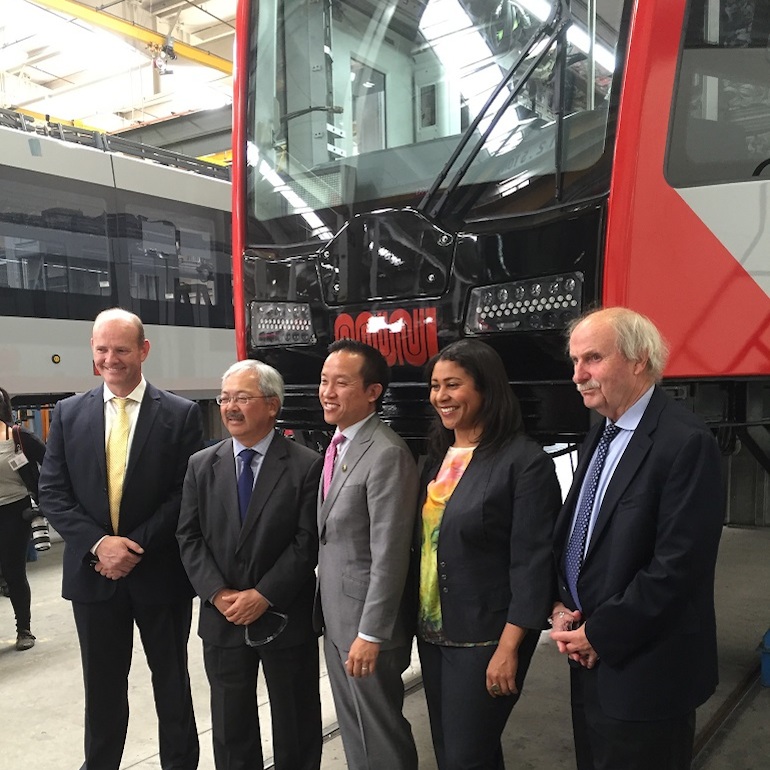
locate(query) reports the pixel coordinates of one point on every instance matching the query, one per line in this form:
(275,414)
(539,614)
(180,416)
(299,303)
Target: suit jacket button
(445,590)
(442,564)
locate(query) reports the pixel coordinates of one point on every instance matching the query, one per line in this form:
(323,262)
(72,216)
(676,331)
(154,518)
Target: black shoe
(24,640)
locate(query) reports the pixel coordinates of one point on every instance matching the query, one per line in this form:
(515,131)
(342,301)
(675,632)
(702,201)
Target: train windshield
(355,105)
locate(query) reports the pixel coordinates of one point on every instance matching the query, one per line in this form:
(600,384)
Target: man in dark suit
(636,545)
(367,509)
(250,546)
(111,484)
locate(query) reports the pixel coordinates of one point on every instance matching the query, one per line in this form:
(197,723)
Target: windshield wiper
(432,202)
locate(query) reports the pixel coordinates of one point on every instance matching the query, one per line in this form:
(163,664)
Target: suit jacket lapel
(272,468)
(148,410)
(629,464)
(353,455)
(561,531)
(96,423)
(225,489)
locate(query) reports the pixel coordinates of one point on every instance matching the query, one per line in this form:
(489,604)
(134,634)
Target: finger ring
(364,668)
(495,688)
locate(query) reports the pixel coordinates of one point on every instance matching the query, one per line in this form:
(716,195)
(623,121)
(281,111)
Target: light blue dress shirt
(628,423)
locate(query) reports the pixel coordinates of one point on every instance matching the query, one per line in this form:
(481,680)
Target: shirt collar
(351,431)
(631,418)
(137,394)
(260,447)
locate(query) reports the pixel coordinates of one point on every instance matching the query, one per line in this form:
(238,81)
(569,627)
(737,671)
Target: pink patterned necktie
(329,459)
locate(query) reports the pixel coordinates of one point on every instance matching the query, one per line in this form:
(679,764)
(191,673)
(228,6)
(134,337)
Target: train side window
(172,256)
(720,129)
(61,249)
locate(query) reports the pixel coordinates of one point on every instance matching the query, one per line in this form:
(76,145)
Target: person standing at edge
(635,547)
(250,546)
(367,509)
(18,473)
(111,485)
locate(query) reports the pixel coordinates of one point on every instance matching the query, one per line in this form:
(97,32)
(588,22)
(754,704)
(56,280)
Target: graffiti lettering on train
(403,337)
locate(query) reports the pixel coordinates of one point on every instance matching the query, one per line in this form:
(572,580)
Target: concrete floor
(42,698)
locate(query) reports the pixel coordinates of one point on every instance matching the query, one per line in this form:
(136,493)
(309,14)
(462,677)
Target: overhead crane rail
(109,143)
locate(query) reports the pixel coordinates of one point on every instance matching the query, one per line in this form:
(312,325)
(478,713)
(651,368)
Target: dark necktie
(245,481)
(573,555)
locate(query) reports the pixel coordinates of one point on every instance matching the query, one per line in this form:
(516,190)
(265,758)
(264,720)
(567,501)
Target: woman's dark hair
(500,414)
(6,413)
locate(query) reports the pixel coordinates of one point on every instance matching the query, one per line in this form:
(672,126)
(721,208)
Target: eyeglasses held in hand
(265,628)
(240,400)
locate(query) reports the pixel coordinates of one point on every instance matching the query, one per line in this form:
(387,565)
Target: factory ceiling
(111,65)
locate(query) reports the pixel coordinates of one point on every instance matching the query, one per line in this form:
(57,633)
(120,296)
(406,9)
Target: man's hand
(575,644)
(362,658)
(116,556)
(564,619)
(242,607)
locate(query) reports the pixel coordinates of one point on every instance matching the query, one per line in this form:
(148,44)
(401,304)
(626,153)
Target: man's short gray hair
(636,337)
(270,380)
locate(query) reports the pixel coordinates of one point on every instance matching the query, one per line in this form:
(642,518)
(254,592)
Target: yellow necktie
(117,451)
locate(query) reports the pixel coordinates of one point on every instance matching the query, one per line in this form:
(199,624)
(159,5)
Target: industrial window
(720,130)
(62,248)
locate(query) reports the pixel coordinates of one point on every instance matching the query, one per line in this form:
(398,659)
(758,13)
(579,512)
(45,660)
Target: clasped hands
(241,607)
(570,636)
(116,556)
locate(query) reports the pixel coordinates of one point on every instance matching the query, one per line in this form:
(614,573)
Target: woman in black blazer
(490,499)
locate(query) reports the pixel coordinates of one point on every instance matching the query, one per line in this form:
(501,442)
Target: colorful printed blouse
(440,490)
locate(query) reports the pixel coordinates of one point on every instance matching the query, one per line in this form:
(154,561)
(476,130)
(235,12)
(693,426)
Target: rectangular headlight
(281,323)
(549,302)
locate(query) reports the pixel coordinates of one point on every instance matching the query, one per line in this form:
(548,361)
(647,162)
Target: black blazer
(495,542)
(73,492)
(647,583)
(276,549)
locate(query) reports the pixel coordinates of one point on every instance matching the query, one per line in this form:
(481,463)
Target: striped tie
(117,451)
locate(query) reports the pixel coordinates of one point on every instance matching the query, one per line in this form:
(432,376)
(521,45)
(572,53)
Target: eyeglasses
(265,628)
(240,400)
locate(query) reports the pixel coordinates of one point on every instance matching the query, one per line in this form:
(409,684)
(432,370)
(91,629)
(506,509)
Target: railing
(101,141)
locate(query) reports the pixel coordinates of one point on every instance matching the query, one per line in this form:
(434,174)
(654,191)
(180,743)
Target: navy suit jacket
(647,583)
(73,493)
(275,550)
(495,542)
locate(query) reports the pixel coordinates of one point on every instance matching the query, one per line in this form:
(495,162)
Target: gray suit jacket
(274,551)
(365,527)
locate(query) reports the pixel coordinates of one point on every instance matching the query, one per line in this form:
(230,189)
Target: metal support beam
(135,32)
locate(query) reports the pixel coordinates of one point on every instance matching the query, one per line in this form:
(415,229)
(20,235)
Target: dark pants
(466,722)
(14,538)
(106,630)
(604,743)
(292,676)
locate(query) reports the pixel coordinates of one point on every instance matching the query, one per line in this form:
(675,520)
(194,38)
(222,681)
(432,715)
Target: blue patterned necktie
(245,481)
(573,555)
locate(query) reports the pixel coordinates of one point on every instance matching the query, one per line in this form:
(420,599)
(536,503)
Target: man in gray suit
(367,508)
(248,541)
